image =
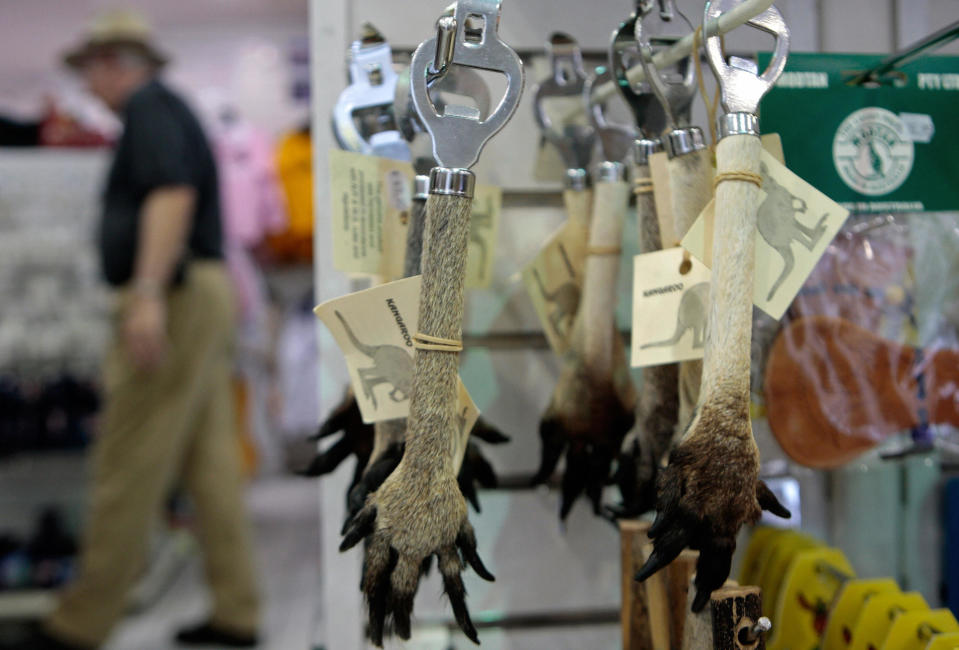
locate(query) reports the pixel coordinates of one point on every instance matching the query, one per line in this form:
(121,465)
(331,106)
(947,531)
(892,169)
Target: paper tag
(773,144)
(795,224)
(669,307)
(554,282)
(466,416)
(371,202)
(663,197)
(484,224)
(919,127)
(375,329)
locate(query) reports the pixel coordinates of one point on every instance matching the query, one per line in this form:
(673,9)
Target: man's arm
(165,220)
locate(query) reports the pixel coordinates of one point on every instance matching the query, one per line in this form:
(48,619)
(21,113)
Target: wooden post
(646,608)
(634,614)
(679,574)
(730,610)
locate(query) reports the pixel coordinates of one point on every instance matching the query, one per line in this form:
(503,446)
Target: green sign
(888,148)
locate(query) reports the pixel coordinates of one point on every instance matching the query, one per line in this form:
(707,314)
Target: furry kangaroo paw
(405,523)
(704,497)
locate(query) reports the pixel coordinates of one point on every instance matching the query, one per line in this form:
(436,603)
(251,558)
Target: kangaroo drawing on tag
(392,365)
(779,226)
(564,298)
(691,316)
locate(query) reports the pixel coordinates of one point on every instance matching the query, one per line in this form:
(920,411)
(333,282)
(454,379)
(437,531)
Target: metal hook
(567,79)
(445,42)
(370,97)
(615,139)
(676,94)
(648,114)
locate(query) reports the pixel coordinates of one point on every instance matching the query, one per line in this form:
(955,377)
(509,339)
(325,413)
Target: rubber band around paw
(643,186)
(748,177)
(436,343)
(604,250)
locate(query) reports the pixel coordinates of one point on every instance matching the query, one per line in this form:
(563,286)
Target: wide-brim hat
(116,28)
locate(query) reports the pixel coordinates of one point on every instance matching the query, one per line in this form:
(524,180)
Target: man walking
(169,412)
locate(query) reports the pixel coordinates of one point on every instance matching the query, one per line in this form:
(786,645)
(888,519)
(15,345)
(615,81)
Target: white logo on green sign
(872,151)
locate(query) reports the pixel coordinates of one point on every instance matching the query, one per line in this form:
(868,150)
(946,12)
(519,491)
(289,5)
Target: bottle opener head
(623,54)
(616,140)
(742,88)
(469,38)
(567,79)
(658,26)
(369,100)
(461,81)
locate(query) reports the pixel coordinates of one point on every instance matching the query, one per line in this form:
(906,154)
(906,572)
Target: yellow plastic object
(877,617)
(847,607)
(914,630)
(774,568)
(944,642)
(759,548)
(812,581)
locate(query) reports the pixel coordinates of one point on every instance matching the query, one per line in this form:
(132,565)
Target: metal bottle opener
(623,54)
(675,89)
(567,79)
(615,139)
(742,89)
(469,38)
(369,100)
(458,81)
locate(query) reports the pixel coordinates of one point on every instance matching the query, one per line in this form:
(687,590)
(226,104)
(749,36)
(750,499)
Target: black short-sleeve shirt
(162,145)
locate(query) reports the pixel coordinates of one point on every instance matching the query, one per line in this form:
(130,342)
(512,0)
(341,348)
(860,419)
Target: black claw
(666,548)
(427,565)
(702,597)
(653,563)
(361,526)
(339,418)
(712,568)
(554,443)
(658,523)
(468,489)
(466,541)
(402,607)
(483,472)
(488,433)
(378,596)
(574,481)
(453,586)
(330,459)
(768,501)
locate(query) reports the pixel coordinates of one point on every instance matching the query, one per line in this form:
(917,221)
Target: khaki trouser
(175,423)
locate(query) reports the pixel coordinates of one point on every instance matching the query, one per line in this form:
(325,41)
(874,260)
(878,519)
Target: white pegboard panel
(857,26)
(539,564)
